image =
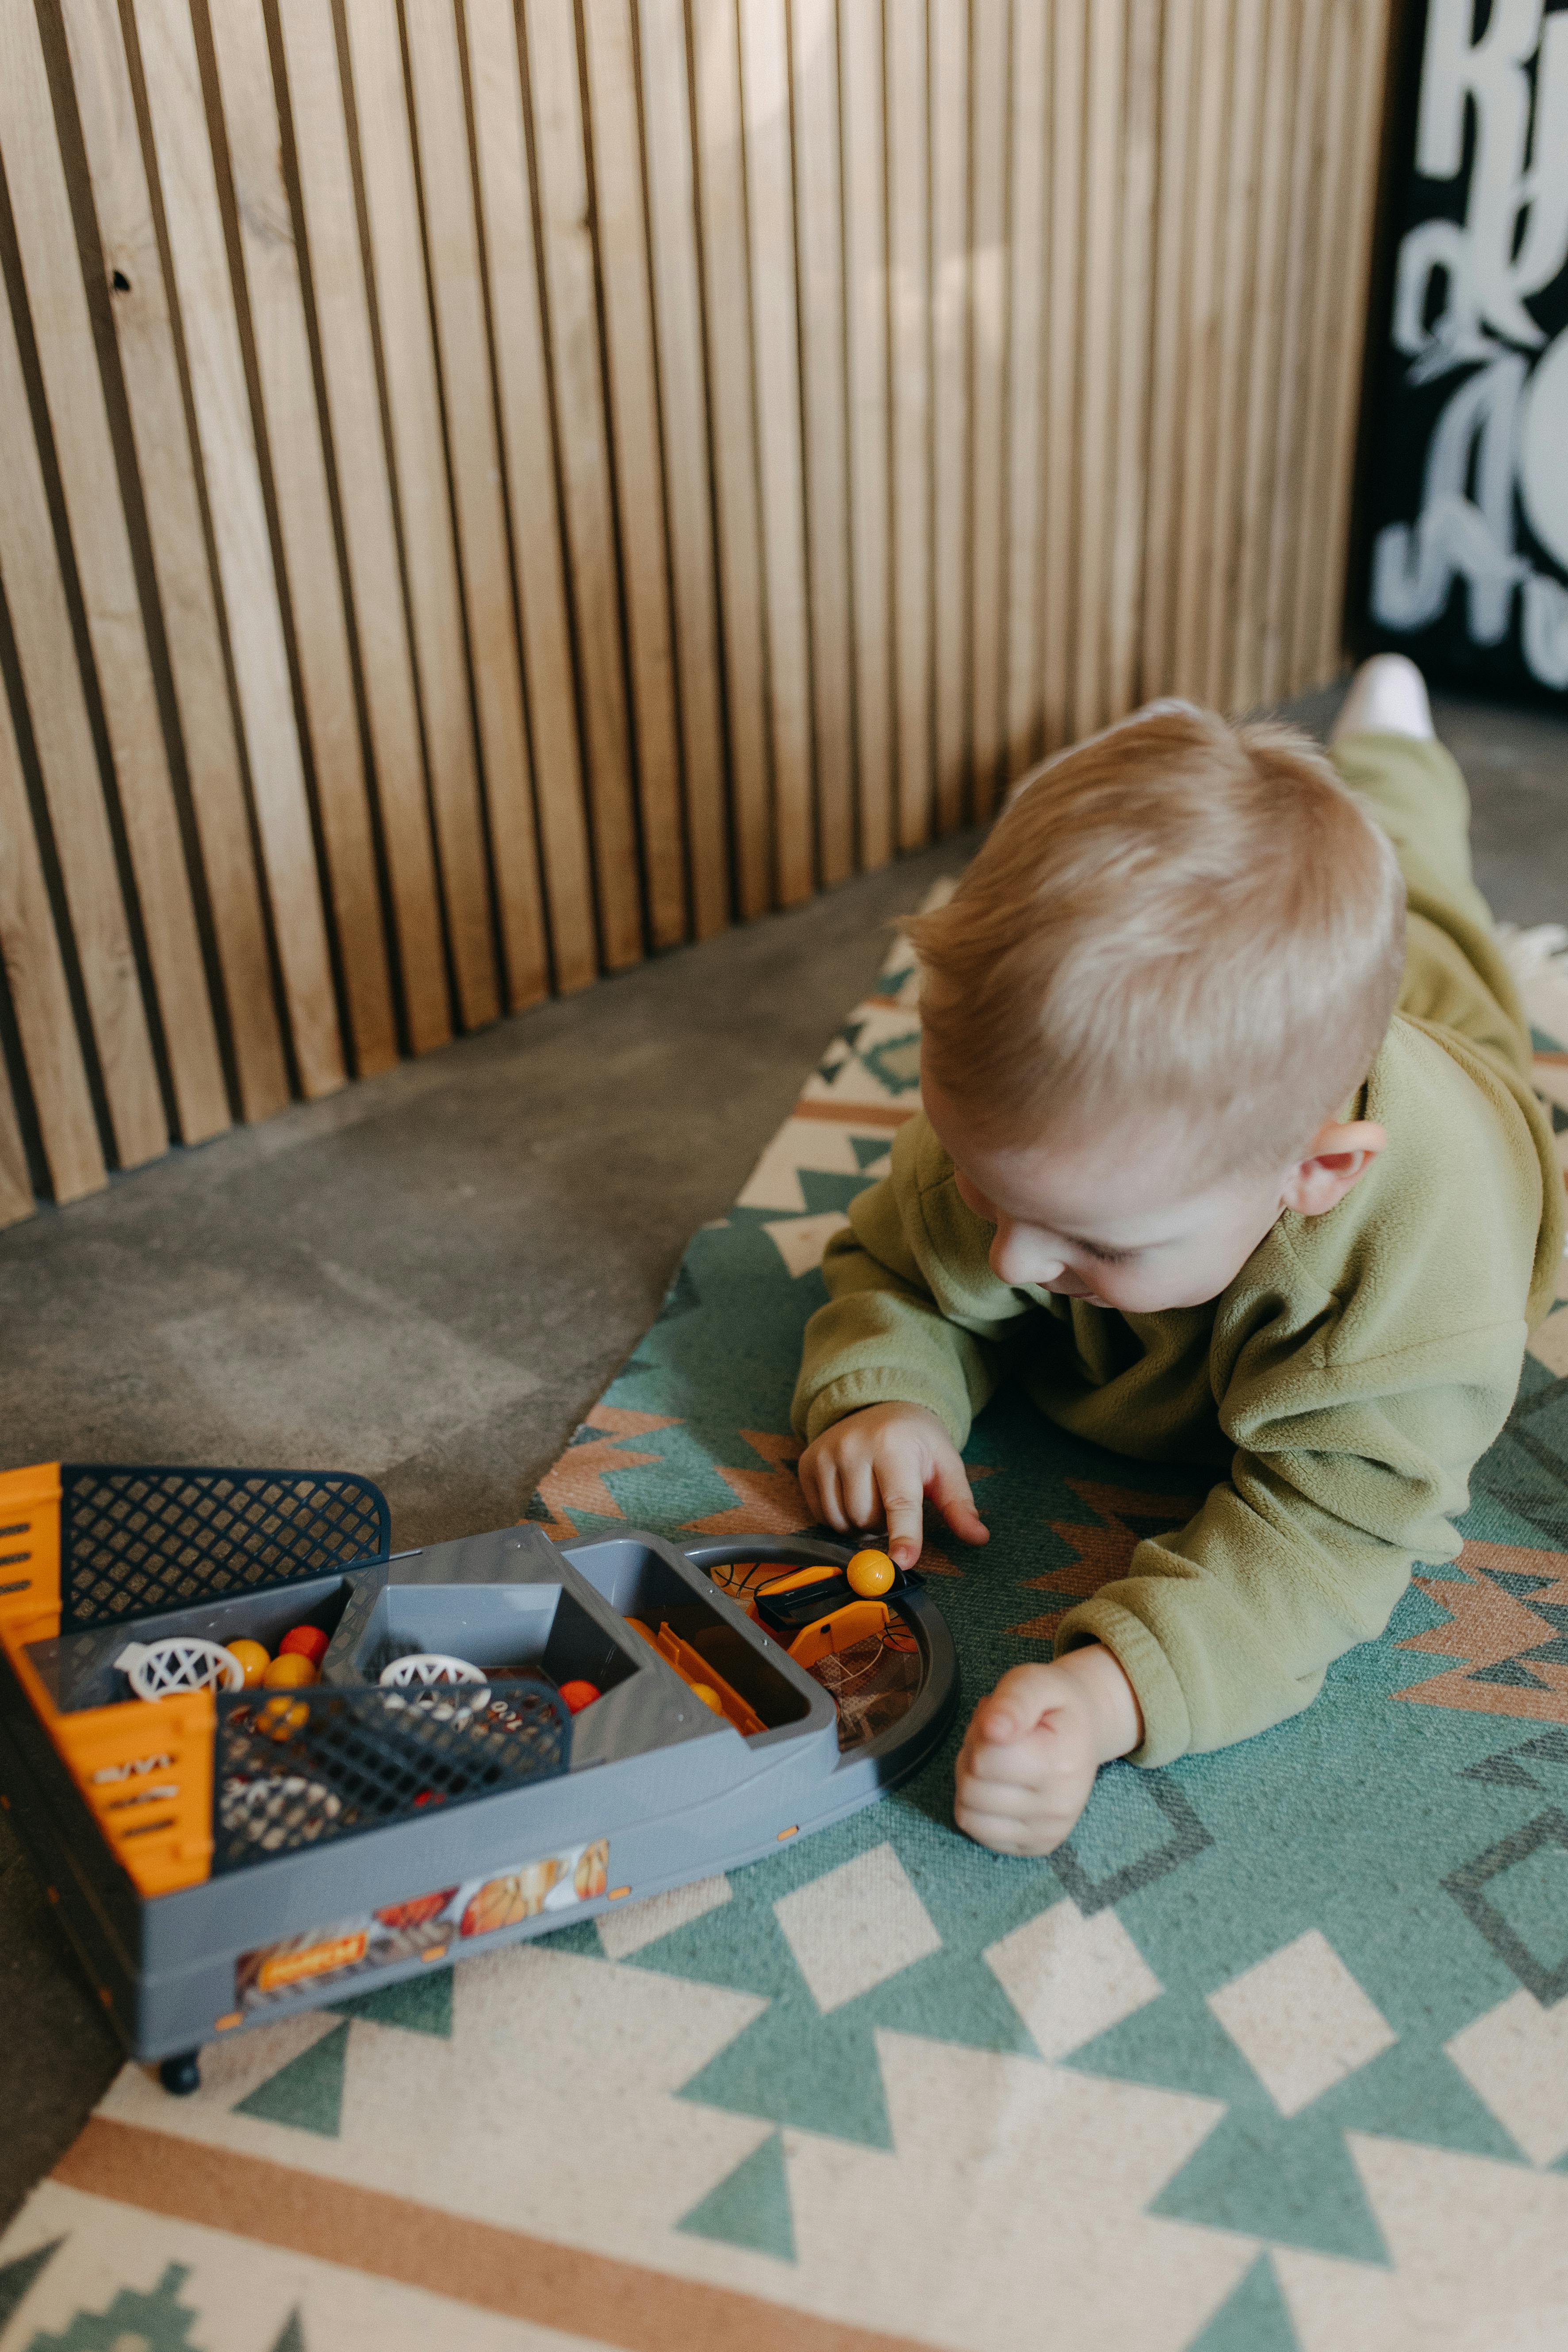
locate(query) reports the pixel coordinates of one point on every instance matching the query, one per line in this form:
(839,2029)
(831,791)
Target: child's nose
(1018,1257)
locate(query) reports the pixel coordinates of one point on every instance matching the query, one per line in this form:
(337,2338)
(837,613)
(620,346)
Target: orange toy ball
(870,1574)
(579,1695)
(304,1642)
(709,1695)
(252,1659)
(288,1671)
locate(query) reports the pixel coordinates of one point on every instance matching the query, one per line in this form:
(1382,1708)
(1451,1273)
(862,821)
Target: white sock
(1387,697)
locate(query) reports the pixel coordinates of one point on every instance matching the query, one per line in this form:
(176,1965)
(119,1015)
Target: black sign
(1467,483)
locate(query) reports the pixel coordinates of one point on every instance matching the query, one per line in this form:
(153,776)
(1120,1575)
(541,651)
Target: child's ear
(1340,1156)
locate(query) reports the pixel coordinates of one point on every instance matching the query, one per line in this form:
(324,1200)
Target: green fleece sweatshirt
(1343,1385)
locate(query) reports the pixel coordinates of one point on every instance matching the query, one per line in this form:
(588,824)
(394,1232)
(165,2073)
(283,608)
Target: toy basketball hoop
(427,1676)
(158,1669)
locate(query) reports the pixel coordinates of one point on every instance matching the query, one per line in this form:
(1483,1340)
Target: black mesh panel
(295,1768)
(135,1542)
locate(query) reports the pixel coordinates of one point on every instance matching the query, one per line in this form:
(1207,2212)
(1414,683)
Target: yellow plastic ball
(288,1672)
(252,1659)
(870,1574)
(709,1695)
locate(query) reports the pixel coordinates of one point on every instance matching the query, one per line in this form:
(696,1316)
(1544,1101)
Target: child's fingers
(1002,1835)
(949,1490)
(1019,1700)
(903,1505)
(858,1493)
(828,1502)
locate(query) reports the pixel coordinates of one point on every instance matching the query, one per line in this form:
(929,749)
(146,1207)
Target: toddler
(1229,1152)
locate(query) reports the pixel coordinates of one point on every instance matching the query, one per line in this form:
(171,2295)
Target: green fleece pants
(1455,972)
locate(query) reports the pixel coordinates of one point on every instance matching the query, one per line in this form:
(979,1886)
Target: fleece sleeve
(914,1315)
(1343,1476)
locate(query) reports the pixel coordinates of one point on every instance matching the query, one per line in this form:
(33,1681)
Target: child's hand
(876,1467)
(1030,1755)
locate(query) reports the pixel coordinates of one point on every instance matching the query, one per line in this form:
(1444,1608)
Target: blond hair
(1178,916)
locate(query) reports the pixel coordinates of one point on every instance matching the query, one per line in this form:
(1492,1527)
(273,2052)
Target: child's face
(1113,1219)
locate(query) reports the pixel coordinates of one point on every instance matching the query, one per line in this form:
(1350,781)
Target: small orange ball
(308,1640)
(289,1671)
(253,1660)
(709,1695)
(579,1695)
(870,1574)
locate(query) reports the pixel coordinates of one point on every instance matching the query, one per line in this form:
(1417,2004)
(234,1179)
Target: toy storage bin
(647,1591)
(91,1549)
(503,1630)
(78,1670)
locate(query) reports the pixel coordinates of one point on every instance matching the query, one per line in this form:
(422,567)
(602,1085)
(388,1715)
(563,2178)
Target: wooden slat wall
(495,487)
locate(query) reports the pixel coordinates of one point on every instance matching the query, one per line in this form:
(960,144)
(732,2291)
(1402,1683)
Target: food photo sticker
(425,1927)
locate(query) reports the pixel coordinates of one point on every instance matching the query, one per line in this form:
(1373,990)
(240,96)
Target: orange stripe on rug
(848,1113)
(504,2271)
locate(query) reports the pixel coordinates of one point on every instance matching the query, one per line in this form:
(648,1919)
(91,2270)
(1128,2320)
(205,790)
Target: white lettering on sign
(1497,103)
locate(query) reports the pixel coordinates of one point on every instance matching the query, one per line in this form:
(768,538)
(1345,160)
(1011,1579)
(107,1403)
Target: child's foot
(1387,697)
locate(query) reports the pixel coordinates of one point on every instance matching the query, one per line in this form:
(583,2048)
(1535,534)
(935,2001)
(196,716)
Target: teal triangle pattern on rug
(133,2322)
(750,2207)
(421,2004)
(1252,2319)
(293,2336)
(16,2278)
(308,2093)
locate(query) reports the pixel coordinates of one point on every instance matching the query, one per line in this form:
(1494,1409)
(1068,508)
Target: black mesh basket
(298,1767)
(136,1542)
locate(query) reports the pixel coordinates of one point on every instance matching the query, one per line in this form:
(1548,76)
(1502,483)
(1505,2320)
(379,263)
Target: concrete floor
(431,1277)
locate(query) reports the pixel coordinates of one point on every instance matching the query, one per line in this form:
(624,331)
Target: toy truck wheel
(182,2075)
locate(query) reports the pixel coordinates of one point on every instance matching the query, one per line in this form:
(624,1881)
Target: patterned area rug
(1274,2053)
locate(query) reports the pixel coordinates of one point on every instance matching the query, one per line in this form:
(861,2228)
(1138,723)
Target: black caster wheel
(182,2075)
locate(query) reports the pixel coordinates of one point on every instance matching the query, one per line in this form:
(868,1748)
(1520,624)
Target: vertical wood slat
(953,544)
(990,290)
(1135,268)
(364,493)
(1374,27)
(1030,92)
(533,482)
(79,422)
(250,588)
(909,307)
(866,297)
(1059,616)
(529,446)
(67,757)
(621,226)
(1269,324)
(40,997)
(1200,387)
(572,305)
(819,207)
(440,124)
(420,472)
(1237,312)
(1096,386)
(169,510)
(769,216)
(15,1184)
(683,406)
(297,464)
(726,285)
(1285,516)
(1168,333)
